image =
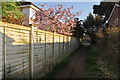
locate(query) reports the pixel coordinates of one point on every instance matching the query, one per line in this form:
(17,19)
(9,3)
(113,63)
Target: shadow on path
(75,68)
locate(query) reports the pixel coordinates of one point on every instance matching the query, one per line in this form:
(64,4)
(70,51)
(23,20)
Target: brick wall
(113,19)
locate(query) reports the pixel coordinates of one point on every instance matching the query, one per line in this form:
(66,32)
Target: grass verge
(96,69)
(91,64)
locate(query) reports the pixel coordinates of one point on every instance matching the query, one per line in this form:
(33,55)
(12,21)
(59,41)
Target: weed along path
(75,68)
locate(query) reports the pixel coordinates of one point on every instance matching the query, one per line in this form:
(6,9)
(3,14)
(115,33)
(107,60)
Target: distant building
(28,9)
(114,16)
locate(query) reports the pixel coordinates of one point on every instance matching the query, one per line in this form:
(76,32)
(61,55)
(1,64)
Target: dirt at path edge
(75,68)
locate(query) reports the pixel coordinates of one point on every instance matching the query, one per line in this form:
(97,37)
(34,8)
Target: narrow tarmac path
(75,68)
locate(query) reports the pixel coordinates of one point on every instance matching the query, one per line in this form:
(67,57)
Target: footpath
(75,68)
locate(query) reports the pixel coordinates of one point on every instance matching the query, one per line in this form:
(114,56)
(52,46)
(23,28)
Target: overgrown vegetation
(102,59)
(78,30)
(91,25)
(92,66)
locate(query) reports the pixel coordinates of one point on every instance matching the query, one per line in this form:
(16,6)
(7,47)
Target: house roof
(115,6)
(24,3)
(27,3)
(113,12)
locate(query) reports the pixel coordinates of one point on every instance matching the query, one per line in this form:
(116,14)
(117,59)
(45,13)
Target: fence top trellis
(3,24)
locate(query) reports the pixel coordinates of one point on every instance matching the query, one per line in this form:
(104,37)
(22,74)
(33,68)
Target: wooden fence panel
(31,53)
(65,46)
(17,51)
(49,52)
(56,49)
(39,54)
(1,51)
(61,47)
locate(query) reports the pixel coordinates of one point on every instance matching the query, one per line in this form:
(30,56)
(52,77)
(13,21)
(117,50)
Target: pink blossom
(59,6)
(43,5)
(59,20)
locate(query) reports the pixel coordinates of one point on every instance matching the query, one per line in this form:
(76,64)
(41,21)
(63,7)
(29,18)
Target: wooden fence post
(68,44)
(45,55)
(63,49)
(53,53)
(59,50)
(31,52)
(4,52)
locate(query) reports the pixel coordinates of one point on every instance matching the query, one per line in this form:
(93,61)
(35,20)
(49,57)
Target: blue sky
(85,7)
(66,0)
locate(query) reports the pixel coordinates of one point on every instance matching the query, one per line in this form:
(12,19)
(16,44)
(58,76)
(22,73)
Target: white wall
(31,15)
(29,12)
(25,11)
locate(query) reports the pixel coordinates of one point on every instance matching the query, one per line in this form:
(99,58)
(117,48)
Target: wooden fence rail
(31,53)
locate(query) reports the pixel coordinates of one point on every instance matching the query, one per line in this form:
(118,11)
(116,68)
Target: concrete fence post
(4,52)
(31,52)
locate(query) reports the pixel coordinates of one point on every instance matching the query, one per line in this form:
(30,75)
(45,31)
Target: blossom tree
(55,19)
